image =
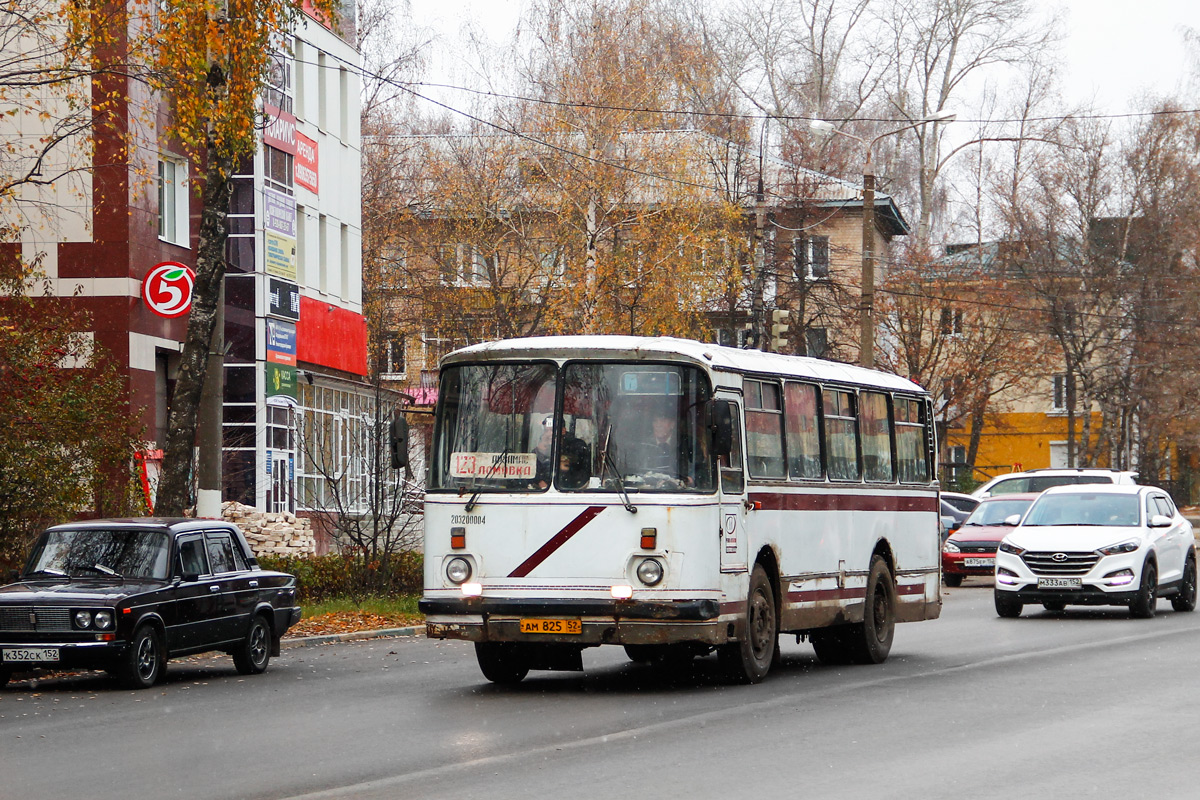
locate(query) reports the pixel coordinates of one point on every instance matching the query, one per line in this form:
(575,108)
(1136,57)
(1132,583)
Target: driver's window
(192,560)
(733,480)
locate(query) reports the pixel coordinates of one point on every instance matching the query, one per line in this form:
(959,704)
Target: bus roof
(714,356)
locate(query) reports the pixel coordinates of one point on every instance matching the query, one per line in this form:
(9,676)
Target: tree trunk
(175,482)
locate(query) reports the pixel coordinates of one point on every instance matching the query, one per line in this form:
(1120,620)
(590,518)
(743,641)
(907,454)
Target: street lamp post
(866,306)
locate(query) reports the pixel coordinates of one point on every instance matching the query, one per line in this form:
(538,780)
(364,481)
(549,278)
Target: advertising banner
(280,256)
(283,299)
(281,342)
(280,132)
(305,169)
(281,384)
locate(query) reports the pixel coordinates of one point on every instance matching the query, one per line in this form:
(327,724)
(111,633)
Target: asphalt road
(1084,703)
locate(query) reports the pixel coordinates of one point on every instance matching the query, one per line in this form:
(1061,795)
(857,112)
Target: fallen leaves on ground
(350,622)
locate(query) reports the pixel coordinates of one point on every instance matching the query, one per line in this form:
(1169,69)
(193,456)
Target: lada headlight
(83,619)
(103,620)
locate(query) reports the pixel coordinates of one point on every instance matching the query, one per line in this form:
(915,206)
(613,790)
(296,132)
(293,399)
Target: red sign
(167,290)
(306,162)
(280,132)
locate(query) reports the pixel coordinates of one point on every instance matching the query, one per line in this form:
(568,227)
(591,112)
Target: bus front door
(733,501)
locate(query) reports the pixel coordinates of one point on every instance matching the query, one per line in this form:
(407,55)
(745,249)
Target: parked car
(963,502)
(1037,480)
(971,550)
(126,595)
(1098,545)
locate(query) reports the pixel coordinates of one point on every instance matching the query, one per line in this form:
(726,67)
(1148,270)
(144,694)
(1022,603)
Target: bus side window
(910,441)
(733,481)
(803,430)
(764,430)
(876,437)
(841,435)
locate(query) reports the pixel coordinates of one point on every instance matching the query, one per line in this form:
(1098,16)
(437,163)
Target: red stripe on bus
(556,541)
(777,501)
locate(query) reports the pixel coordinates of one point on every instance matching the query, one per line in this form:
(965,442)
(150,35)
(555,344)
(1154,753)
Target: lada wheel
(1185,600)
(1146,602)
(501,662)
(145,661)
(252,655)
(749,659)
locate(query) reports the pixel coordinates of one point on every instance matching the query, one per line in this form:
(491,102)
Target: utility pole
(866,308)
(757,323)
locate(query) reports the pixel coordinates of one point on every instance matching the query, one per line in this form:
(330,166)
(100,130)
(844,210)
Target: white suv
(1098,545)
(1036,480)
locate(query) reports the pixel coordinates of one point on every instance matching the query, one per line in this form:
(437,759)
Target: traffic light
(779,327)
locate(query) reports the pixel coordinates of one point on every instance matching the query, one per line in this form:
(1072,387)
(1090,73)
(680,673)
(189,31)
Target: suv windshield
(1084,509)
(121,553)
(1040,483)
(520,427)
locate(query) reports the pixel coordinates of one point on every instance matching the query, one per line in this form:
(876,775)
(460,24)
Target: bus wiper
(630,507)
(500,459)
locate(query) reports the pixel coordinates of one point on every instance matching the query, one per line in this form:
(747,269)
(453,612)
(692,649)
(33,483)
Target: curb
(311,641)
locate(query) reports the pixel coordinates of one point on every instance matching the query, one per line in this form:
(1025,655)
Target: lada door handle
(215,588)
(253,584)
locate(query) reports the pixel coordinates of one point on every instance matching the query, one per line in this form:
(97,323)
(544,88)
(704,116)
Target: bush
(339,575)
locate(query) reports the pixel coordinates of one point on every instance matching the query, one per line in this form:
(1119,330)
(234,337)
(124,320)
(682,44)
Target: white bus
(676,498)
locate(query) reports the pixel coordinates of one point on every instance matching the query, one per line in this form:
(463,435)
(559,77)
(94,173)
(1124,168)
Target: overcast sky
(1114,48)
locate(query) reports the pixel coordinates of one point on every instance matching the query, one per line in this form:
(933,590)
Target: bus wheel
(501,662)
(870,641)
(749,659)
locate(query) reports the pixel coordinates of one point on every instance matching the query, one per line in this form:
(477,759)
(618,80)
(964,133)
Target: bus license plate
(568,626)
(1060,583)
(27,654)
(979,562)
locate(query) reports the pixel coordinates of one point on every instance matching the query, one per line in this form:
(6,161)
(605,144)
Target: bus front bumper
(599,622)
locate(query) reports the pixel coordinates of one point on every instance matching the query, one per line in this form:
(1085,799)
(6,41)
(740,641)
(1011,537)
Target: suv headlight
(1008,547)
(1127,546)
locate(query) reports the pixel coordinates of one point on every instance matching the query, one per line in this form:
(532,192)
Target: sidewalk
(310,641)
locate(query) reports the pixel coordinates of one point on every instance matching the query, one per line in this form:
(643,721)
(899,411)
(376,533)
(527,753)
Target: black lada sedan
(125,595)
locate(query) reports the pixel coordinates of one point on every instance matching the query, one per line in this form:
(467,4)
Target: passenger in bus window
(573,468)
(545,467)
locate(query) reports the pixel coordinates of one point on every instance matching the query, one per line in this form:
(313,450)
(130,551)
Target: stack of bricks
(271,533)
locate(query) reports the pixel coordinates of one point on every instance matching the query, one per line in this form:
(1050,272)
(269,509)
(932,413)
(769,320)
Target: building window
(816,342)
(1059,401)
(812,257)
(952,321)
(278,168)
(172,201)
(393,354)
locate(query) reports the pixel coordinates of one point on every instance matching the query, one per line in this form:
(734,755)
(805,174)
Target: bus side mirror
(722,428)
(398,440)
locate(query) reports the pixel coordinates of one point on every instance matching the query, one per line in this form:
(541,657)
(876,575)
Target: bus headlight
(458,570)
(650,572)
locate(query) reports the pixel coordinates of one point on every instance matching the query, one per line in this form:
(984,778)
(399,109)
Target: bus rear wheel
(749,659)
(501,662)
(869,641)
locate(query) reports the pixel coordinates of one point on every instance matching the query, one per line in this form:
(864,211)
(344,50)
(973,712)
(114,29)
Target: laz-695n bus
(675,498)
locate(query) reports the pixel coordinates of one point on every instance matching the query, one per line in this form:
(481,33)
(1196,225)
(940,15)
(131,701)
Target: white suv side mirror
(1013,520)
(1161,521)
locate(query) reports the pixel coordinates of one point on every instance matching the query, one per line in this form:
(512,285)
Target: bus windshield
(521,427)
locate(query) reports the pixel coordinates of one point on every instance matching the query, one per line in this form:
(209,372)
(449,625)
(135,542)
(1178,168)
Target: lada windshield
(523,427)
(92,552)
(1084,509)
